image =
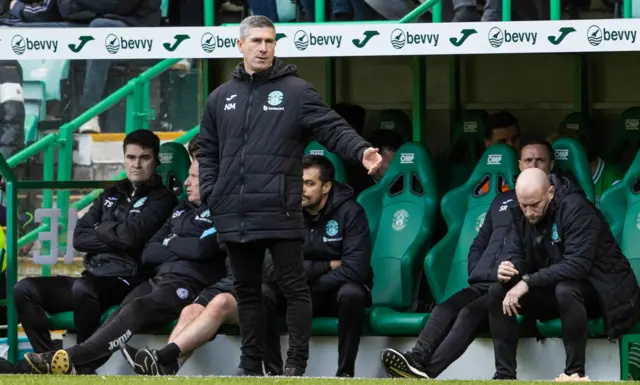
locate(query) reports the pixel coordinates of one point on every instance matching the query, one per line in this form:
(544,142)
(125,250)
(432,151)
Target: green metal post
(146,113)
(506,10)
(12,268)
(436,12)
(208,22)
(320,11)
(627,9)
(556,9)
(133,102)
(419,87)
(454,91)
(47,198)
(65,170)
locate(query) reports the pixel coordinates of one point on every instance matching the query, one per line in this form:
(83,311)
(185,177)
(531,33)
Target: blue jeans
(358,8)
(266,8)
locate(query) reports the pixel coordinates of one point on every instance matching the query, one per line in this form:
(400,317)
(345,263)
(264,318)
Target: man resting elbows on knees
(457,321)
(563,262)
(337,256)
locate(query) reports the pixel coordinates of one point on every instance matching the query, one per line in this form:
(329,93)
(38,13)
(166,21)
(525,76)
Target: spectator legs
(266,8)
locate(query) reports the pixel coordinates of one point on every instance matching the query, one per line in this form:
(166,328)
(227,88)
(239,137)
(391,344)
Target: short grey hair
(254,22)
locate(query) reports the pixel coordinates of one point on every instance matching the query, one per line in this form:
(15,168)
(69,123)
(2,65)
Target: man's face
(258,48)
(193,183)
(313,190)
(537,156)
(504,135)
(535,204)
(139,163)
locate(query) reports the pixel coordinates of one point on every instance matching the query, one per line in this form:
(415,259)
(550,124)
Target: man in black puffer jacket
(456,322)
(565,263)
(252,138)
(113,234)
(337,257)
(186,258)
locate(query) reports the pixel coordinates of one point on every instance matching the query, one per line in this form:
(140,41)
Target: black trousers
(246,260)
(573,301)
(88,297)
(347,303)
(452,327)
(153,304)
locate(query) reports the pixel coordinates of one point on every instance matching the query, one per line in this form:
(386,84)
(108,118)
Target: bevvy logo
(209,42)
(302,40)
(596,35)
(400,38)
(498,37)
(20,45)
(115,43)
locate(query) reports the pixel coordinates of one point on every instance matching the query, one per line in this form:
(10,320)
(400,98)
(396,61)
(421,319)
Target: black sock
(168,354)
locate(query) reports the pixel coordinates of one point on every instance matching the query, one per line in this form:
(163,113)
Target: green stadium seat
(315,148)
(48,72)
(620,206)
(467,143)
(570,156)
(626,139)
(64,320)
(174,167)
(464,210)
(401,210)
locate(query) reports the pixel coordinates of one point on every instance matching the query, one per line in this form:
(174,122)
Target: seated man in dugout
(337,258)
(563,262)
(456,322)
(185,257)
(113,234)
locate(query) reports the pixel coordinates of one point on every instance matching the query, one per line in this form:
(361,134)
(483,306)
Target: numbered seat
(396,121)
(174,167)
(464,210)
(401,210)
(467,145)
(579,123)
(571,157)
(620,205)
(315,148)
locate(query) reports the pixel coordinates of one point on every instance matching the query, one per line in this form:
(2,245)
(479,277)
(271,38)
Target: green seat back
(626,139)
(397,121)
(464,210)
(620,205)
(401,210)
(174,167)
(570,156)
(466,146)
(315,148)
(578,122)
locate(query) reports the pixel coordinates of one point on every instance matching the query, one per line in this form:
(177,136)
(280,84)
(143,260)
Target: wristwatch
(526,279)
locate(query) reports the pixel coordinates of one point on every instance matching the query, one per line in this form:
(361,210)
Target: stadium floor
(135,380)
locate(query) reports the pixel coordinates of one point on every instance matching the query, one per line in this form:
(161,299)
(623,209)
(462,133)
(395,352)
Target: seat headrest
(470,126)
(174,167)
(578,122)
(397,121)
(570,156)
(629,124)
(498,159)
(315,148)
(633,172)
(413,161)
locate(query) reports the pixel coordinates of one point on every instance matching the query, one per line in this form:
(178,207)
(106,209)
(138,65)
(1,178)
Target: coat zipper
(244,147)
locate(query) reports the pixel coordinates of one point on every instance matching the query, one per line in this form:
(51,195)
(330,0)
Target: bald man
(563,262)
(456,322)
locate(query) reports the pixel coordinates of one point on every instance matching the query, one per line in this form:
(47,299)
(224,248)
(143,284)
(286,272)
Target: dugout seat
(626,139)
(570,156)
(174,167)
(315,148)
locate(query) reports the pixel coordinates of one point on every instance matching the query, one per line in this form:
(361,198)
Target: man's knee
(496,294)
(83,289)
(191,312)
(566,293)
(26,290)
(222,305)
(352,294)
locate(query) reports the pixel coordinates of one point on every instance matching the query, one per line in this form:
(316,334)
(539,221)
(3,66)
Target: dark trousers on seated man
(348,303)
(153,304)
(573,301)
(88,297)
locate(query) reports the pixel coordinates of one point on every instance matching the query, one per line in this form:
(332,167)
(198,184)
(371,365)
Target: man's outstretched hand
(371,160)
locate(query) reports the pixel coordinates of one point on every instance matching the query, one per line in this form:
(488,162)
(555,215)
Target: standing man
(252,138)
